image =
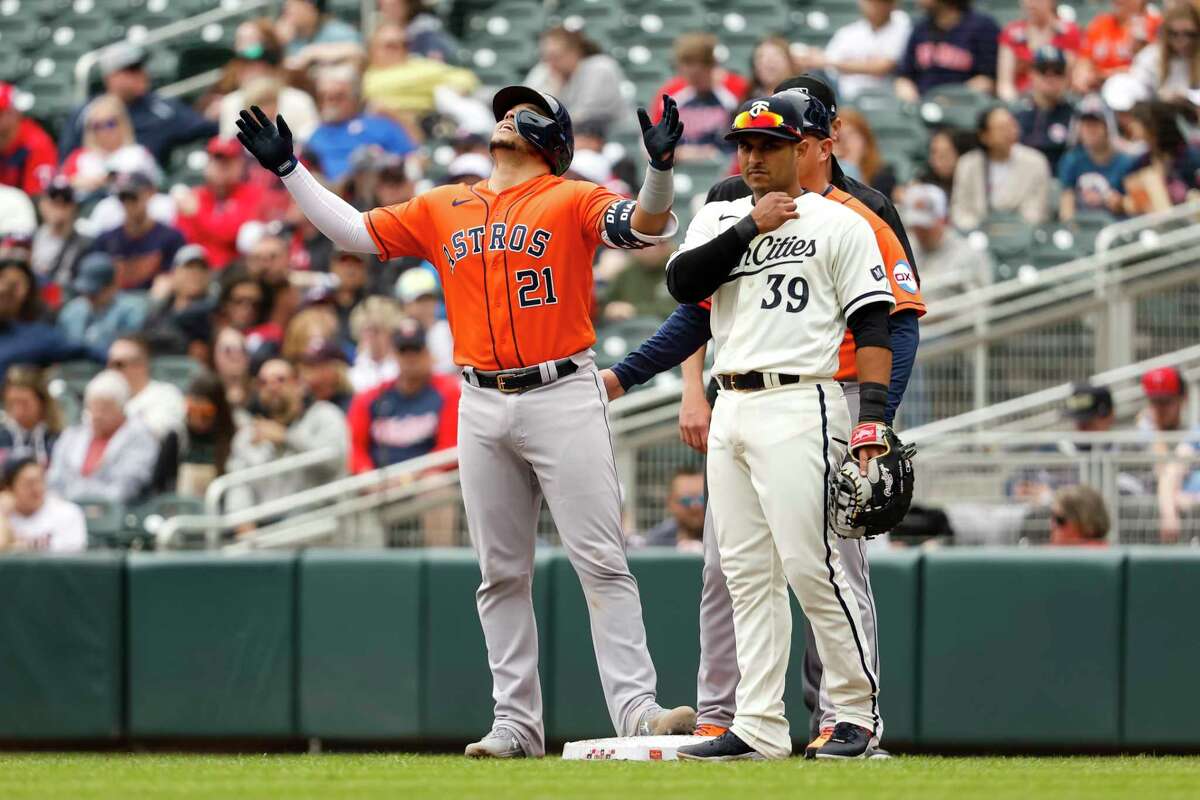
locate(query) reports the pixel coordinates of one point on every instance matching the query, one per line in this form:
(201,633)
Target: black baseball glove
(660,139)
(867,506)
(271,145)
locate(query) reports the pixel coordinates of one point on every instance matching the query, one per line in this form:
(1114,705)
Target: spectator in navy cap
(415,414)
(141,247)
(101,311)
(1045,113)
(1090,408)
(159,123)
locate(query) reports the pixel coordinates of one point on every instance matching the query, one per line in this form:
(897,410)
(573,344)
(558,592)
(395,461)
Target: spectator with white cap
(27,153)
(419,292)
(949,265)
(108,454)
(160,123)
(17,215)
(469,168)
(100,311)
(211,215)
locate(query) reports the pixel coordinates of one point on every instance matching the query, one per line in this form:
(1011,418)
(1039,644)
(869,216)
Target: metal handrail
(220,486)
(1187,359)
(169,31)
(1110,233)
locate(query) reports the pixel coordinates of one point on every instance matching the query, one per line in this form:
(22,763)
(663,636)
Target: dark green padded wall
(456,703)
(1162,647)
(211,645)
(1021,647)
(360,622)
(61,646)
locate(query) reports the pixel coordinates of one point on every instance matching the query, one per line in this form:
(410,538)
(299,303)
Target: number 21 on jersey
(536,288)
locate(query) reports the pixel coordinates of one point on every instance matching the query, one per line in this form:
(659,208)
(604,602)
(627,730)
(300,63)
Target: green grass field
(294,777)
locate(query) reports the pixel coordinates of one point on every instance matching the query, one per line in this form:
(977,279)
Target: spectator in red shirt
(27,153)
(411,416)
(1038,26)
(707,96)
(1112,40)
(212,214)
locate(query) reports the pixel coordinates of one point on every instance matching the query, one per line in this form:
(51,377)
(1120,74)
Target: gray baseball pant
(717,678)
(513,449)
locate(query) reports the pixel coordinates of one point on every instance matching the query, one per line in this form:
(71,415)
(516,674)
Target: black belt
(752,381)
(514,381)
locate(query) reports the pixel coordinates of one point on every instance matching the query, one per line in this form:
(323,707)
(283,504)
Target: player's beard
(513,143)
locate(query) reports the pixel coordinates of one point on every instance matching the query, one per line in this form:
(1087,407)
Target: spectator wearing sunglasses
(1044,113)
(683,529)
(141,247)
(106,132)
(1078,517)
(157,404)
(1170,67)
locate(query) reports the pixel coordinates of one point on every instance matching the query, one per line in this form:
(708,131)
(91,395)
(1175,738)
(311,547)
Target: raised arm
(272,146)
(652,214)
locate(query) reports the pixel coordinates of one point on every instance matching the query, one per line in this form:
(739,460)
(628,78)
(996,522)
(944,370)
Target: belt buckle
(502,387)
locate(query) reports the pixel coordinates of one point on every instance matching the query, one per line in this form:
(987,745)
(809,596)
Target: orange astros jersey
(516,267)
(899,273)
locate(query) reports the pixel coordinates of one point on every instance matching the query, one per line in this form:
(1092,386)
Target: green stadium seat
(955,105)
(105,522)
(1055,244)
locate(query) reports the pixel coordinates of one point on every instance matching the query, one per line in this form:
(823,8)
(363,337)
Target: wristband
(872,402)
(658,191)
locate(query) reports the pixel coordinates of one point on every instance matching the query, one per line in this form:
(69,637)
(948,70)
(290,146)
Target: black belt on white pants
(522,379)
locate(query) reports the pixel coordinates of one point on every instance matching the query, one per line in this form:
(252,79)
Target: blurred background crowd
(167,316)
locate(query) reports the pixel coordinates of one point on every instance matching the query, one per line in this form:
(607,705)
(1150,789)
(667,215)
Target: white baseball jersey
(784,307)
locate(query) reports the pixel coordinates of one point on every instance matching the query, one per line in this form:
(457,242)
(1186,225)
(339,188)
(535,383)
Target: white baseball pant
(771,456)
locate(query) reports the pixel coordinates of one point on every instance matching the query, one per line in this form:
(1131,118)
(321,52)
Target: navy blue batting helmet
(549,132)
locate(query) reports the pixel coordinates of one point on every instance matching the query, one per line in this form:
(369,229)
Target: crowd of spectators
(107,256)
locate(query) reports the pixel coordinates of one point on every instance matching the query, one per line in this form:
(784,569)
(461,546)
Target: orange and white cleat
(816,744)
(709,730)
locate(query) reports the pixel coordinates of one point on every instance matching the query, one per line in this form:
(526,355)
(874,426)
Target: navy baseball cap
(787,115)
(1049,58)
(815,86)
(1088,402)
(409,335)
(96,273)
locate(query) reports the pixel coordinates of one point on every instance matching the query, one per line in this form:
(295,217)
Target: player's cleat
(816,744)
(726,747)
(679,721)
(878,752)
(708,729)
(847,741)
(499,743)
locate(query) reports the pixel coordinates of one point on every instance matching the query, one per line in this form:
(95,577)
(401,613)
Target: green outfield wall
(982,648)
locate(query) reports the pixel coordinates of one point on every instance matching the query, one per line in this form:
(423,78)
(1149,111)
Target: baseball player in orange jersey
(515,256)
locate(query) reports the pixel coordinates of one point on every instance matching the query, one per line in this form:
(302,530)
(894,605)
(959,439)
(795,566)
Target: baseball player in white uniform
(788,271)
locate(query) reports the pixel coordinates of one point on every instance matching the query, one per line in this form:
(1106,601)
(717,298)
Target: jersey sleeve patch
(618,227)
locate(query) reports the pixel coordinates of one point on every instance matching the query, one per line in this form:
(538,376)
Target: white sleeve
(701,230)
(859,277)
(333,216)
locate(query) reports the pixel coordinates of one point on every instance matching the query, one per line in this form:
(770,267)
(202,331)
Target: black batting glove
(661,139)
(271,145)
